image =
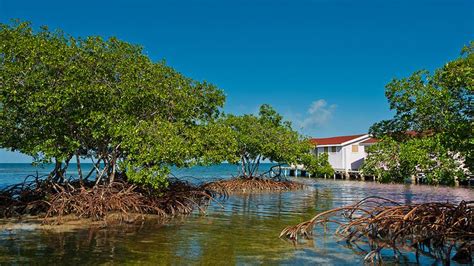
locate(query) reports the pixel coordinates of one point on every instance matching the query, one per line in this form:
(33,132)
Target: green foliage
(432,130)
(440,104)
(318,165)
(268,136)
(92,98)
(395,161)
(158,143)
(383,161)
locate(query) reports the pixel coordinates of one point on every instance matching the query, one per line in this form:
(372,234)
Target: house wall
(344,158)
(334,158)
(354,159)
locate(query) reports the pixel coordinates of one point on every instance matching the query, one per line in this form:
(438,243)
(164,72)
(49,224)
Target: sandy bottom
(71,222)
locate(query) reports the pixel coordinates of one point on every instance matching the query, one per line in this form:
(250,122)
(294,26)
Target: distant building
(345,153)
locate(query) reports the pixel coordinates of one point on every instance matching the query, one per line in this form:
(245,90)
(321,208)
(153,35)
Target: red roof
(370,141)
(334,140)
(413,133)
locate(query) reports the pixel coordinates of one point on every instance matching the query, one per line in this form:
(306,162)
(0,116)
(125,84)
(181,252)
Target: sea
(14,173)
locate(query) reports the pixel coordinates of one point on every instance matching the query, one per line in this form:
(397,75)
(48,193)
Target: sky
(323,64)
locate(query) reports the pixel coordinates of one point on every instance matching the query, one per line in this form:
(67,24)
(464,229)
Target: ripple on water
(244,231)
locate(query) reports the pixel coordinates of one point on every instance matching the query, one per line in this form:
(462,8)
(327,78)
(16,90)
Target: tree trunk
(79,170)
(243,166)
(64,169)
(256,164)
(54,175)
(96,165)
(105,170)
(113,163)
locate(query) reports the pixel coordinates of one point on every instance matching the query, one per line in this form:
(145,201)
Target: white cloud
(318,114)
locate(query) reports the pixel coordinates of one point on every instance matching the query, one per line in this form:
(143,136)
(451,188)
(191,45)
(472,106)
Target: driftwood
(435,229)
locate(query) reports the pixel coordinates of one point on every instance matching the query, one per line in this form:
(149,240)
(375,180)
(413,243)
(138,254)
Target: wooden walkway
(288,171)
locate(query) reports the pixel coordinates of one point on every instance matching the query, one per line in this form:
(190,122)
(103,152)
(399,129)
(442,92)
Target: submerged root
(433,228)
(119,199)
(27,198)
(243,185)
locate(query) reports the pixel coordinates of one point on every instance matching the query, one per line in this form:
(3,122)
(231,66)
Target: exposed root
(120,198)
(27,198)
(433,228)
(243,185)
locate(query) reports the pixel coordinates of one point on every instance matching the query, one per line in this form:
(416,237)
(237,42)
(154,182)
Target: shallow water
(244,231)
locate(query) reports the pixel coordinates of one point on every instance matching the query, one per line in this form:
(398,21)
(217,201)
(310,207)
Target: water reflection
(244,230)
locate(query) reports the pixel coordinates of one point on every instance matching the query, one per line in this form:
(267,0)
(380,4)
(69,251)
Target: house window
(333,149)
(355,148)
(326,149)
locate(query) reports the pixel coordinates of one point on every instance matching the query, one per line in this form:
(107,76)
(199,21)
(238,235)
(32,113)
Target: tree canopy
(394,161)
(65,98)
(432,128)
(62,97)
(268,137)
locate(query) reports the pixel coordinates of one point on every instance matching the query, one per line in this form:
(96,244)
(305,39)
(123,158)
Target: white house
(345,153)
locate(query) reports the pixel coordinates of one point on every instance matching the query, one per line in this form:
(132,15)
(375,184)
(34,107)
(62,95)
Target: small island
(120,145)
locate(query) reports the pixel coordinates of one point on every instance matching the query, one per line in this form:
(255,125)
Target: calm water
(244,231)
(13,173)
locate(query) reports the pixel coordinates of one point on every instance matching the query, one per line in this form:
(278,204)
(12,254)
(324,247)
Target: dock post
(346,175)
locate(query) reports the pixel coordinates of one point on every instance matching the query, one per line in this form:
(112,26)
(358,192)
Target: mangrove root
(252,185)
(54,201)
(434,228)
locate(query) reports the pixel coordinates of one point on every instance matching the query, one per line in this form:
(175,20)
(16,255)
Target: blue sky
(323,64)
